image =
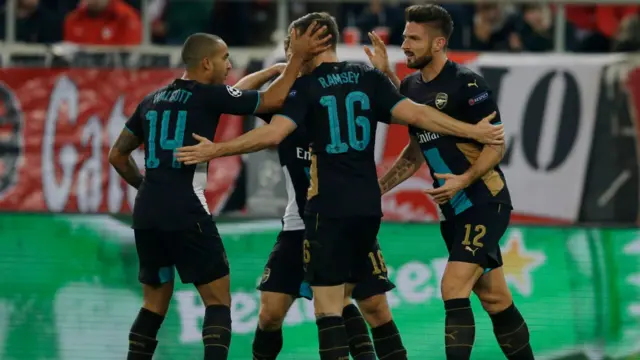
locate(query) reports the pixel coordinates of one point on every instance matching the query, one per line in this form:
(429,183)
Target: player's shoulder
(467,77)
(152,97)
(411,78)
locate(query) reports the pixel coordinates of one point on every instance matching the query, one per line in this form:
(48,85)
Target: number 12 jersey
(339,105)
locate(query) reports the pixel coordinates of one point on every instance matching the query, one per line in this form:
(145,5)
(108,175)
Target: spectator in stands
(609,17)
(34,23)
(491,28)
(589,37)
(627,38)
(103,22)
(535,30)
(389,19)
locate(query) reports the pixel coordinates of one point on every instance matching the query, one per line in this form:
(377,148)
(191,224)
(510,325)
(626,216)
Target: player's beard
(420,62)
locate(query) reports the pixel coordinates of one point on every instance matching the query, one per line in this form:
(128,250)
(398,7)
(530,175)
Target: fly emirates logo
(303,154)
(427,136)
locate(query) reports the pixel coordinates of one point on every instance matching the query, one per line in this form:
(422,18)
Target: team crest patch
(265,275)
(441,100)
(233,91)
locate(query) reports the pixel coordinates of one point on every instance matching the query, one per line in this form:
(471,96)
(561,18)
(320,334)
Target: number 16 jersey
(339,105)
(171,196)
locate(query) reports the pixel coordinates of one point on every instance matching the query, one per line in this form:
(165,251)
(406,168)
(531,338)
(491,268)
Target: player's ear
(207,64)
(439,44)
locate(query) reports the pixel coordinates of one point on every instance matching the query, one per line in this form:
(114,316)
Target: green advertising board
(69,291)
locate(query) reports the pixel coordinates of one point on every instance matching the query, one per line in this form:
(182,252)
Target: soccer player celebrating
(469,186)
(339,104)
(282,280)
(171,221)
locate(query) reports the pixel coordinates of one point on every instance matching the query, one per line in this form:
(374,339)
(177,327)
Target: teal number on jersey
(338,146)
(165,143)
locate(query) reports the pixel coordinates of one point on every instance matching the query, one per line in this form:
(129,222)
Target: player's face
(419,45)
(217,66)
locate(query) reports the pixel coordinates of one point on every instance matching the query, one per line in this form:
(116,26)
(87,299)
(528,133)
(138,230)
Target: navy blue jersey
(461,94)
(339,105)
(295,159)
(172,194)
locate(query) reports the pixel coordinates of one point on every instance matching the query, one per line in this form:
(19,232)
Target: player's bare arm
(257,79)
(379,58)
(403,168)
(257,139)
(303,47)
(430,119)
(489,158)
(121,159)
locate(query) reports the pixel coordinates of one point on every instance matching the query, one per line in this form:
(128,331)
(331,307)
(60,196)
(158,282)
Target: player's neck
(325,57)
(194,77)
(434,68)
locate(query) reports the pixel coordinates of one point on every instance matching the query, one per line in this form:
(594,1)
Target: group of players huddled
(322,114)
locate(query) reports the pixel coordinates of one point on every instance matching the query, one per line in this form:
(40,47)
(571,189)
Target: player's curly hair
(322,19)
(434,16)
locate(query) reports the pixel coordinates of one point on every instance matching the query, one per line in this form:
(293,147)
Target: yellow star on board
(519,262)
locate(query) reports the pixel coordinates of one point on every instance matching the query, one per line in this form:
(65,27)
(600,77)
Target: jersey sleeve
(480,99)
(296,106)
(387,96)
(229,100)
(134,123)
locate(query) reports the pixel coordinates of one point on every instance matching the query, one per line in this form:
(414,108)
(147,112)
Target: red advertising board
(56,127)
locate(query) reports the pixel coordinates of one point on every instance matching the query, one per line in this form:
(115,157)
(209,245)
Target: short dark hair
(432,15)
(322,19)
(197,47)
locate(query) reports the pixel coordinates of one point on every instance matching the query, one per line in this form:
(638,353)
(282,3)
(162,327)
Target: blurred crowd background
(480,26)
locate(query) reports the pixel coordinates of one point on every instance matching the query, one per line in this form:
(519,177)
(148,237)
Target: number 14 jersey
(339,105)
(171,196)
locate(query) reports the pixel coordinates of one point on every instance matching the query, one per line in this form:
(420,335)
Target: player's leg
(473,247)
(156,275)
(279,287)
(326,261)
(509,326)
(202,261)
(360,344)
(372,300)
(268,341)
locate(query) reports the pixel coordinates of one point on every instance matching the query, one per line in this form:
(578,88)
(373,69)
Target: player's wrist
(468,177)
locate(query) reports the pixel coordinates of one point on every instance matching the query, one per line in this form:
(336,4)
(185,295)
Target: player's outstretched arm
(303,47)
(256,80)
(403,168)
(430,119)
(121,160)
(255,140)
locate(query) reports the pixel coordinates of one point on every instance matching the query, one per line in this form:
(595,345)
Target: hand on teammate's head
(313,41)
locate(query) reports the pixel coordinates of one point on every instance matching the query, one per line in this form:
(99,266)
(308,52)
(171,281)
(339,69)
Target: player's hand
(311,43)
(204,151)
(452,185)
(378,57)
(488,133)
